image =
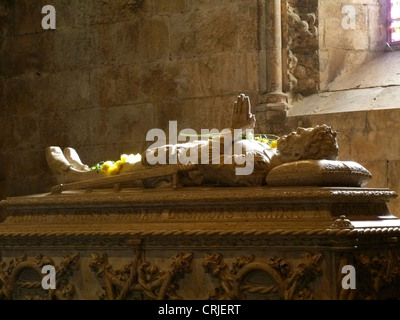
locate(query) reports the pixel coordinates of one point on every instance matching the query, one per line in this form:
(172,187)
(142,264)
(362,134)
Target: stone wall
(342,49)
(372,141)
(111,71)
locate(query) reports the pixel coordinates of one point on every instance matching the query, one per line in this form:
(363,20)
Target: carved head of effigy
(315,143)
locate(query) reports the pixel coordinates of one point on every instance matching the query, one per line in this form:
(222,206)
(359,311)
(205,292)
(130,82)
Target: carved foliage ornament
(302,51)
(266,279)
(140,280)
(377,276)
(22,278)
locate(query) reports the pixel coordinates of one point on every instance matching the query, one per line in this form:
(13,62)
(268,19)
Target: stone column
(273,102)
(275,48)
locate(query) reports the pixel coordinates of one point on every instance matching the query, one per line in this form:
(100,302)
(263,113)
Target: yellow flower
(113,167)
(109,168)
(273,144)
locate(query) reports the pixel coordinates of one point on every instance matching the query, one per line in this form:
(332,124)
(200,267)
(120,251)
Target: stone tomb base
(202,243)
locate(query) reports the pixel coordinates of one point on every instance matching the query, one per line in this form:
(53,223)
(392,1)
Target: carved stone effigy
(266,242)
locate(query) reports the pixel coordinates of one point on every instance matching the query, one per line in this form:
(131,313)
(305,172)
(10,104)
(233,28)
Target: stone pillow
(319,173)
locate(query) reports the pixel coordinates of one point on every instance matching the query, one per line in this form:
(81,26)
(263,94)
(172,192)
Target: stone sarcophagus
(201,243)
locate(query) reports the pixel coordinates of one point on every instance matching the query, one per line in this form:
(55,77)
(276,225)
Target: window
(394,22)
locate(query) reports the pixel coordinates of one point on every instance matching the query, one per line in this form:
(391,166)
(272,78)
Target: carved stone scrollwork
(265,279)
(140,280)
(22,278)
(377,276)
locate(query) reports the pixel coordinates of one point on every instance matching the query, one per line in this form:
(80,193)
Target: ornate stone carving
(342,222)
(377,276)
(140,279)
(303,67)
(21,279)
(271,279)
(298,285)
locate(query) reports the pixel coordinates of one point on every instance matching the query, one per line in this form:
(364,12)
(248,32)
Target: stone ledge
(201,212)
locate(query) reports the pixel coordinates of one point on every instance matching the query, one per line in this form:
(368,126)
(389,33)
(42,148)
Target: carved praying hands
(242,118)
